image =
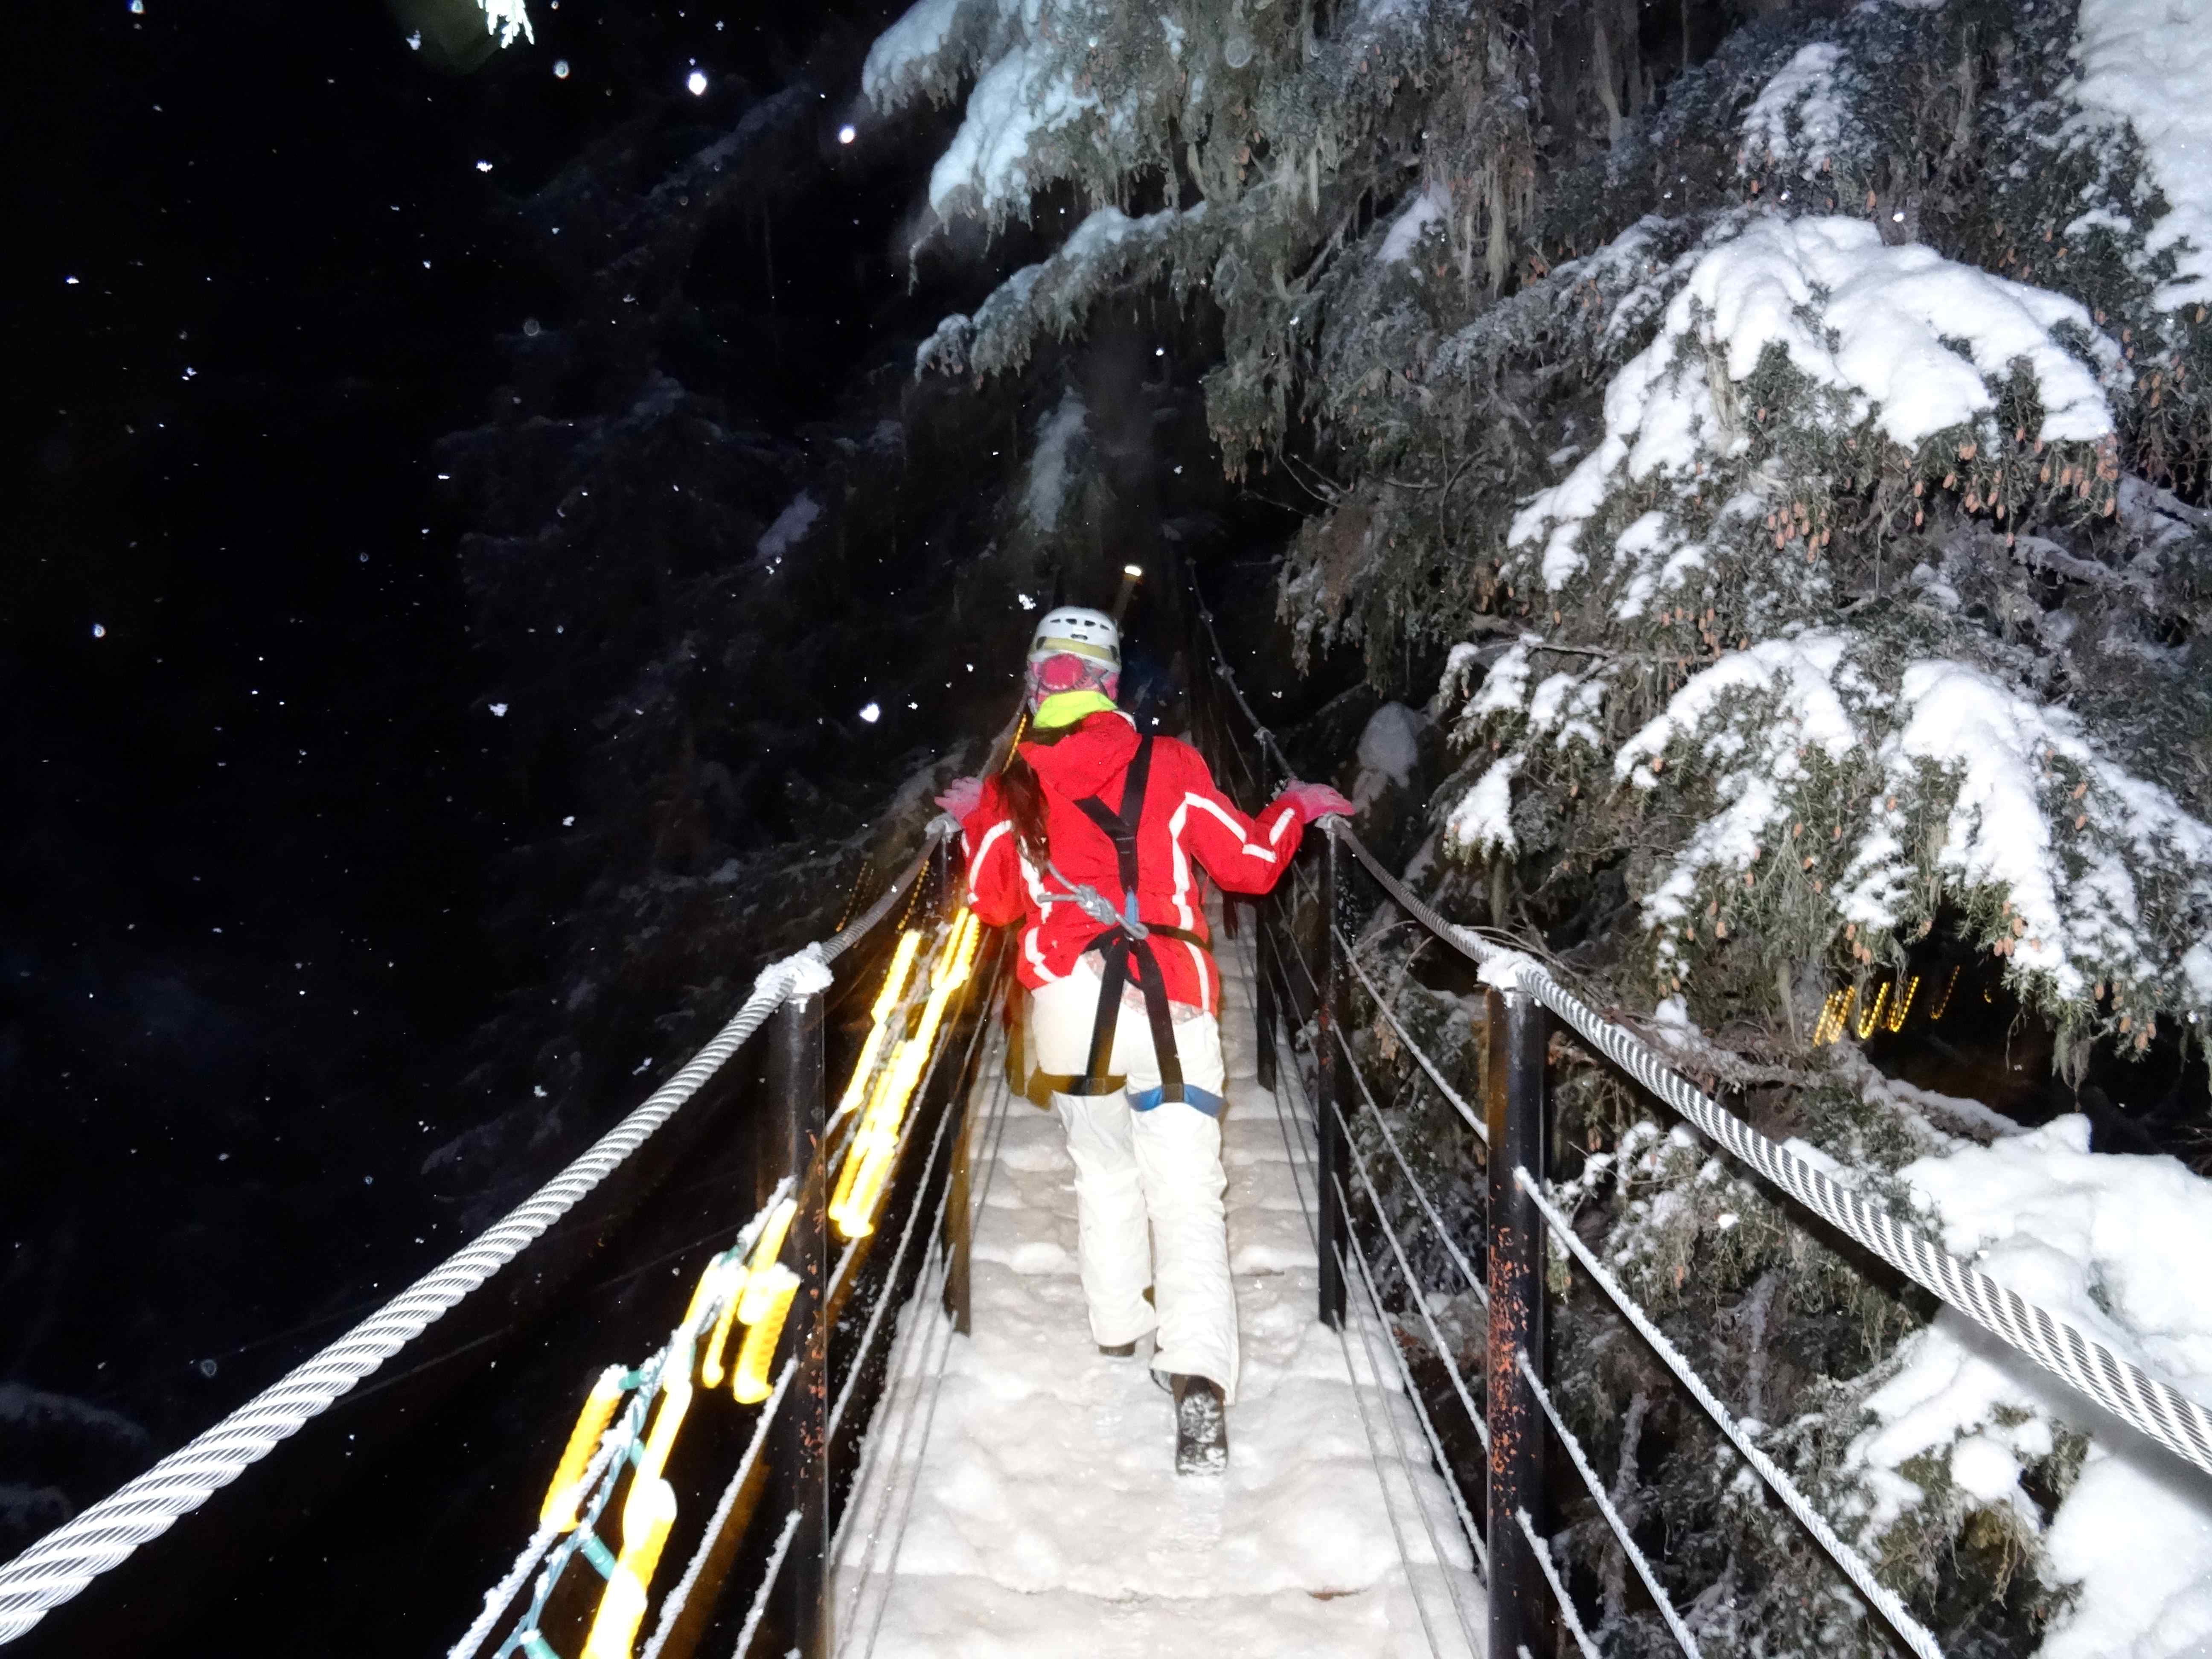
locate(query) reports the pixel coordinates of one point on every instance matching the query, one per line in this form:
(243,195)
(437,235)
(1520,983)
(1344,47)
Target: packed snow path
(1023,1501)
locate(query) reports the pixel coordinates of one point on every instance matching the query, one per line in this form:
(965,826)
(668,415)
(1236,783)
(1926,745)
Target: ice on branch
(2149,62)
(992,166)
(1052,468)
(1482,822)
(2100,1240)
(1798,120)
(1055,295)
(1897,338)
(909,59)
(509,20)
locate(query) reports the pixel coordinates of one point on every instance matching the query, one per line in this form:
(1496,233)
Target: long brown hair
(1024,793)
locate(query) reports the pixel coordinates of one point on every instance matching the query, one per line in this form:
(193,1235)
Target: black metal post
(960,1297)
(1329,1098)
(1263,992)
(799,1449)
(1517,1109)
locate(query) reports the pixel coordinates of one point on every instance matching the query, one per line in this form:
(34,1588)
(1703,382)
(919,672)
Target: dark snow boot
(1201,1426)
(1118,1350)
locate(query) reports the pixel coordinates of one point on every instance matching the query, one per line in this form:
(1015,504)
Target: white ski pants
(1161,1166)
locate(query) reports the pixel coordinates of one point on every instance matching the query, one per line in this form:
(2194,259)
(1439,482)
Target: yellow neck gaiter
(1066,707)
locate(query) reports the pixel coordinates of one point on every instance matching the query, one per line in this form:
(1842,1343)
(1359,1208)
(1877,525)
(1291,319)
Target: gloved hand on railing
(1316,801)
(961,797)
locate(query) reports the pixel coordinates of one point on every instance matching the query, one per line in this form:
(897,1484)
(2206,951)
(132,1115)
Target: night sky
(255,793)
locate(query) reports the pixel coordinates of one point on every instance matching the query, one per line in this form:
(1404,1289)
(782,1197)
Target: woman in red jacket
(1098,839)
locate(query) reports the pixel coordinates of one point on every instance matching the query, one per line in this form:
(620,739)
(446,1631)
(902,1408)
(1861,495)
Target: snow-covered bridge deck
(1023,1499)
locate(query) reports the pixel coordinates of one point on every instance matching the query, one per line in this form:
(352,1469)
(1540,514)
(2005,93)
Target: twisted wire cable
(1428,1425)
(1914,1634)
(1612,1517)
(60,1565)
(1474,1280)
(1420,1055)
(1412,1285)
(758,1611)
(548,1534)
(1551,1570)
(2145,1401)
(1373,1329)
(1299,1156)
(2149,1403)
(930,1333)
(946,1120)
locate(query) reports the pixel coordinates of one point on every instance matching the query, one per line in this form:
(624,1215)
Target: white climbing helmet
(1085,633)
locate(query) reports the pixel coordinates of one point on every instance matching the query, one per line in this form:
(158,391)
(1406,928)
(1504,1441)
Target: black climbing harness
(1125,943)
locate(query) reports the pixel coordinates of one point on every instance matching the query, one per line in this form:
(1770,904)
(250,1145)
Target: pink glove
(962,798)
(1317,800)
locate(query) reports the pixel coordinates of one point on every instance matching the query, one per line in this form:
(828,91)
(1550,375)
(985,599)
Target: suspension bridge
(877,1423)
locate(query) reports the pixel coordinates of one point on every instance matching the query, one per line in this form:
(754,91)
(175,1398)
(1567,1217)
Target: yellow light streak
(667,1423)
(568,1488)
(1834,1012)
(771,1245)
(703,1298)
(887,999)
(622,1605)
(868,1157)
(1937,1012)
(1872,1017)
(1903,1006)
(771,1292)
(718,1339)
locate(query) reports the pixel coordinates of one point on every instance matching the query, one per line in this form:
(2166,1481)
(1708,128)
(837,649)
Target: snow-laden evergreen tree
(1799,429)
(1808,457)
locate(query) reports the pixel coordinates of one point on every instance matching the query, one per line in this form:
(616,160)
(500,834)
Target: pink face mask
(1065,671)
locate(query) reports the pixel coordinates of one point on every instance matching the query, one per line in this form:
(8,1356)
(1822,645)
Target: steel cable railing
(1300,1156)
(1458,1104)
(857,1367)
(929,1339)
(1614,1522)
(1414,1291)
(759,1294)
(1509,1508)
(1580,1459)
(2148,1403)
(60,1565)
(1350,1255)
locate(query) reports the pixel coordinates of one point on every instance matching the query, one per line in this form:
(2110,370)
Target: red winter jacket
(1188,825)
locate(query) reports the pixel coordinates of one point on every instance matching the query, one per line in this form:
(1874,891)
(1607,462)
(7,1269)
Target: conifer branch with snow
(1805,471)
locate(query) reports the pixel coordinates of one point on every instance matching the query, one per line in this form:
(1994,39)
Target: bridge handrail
(2145,1401)
(64,1561)
(2170,1417)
